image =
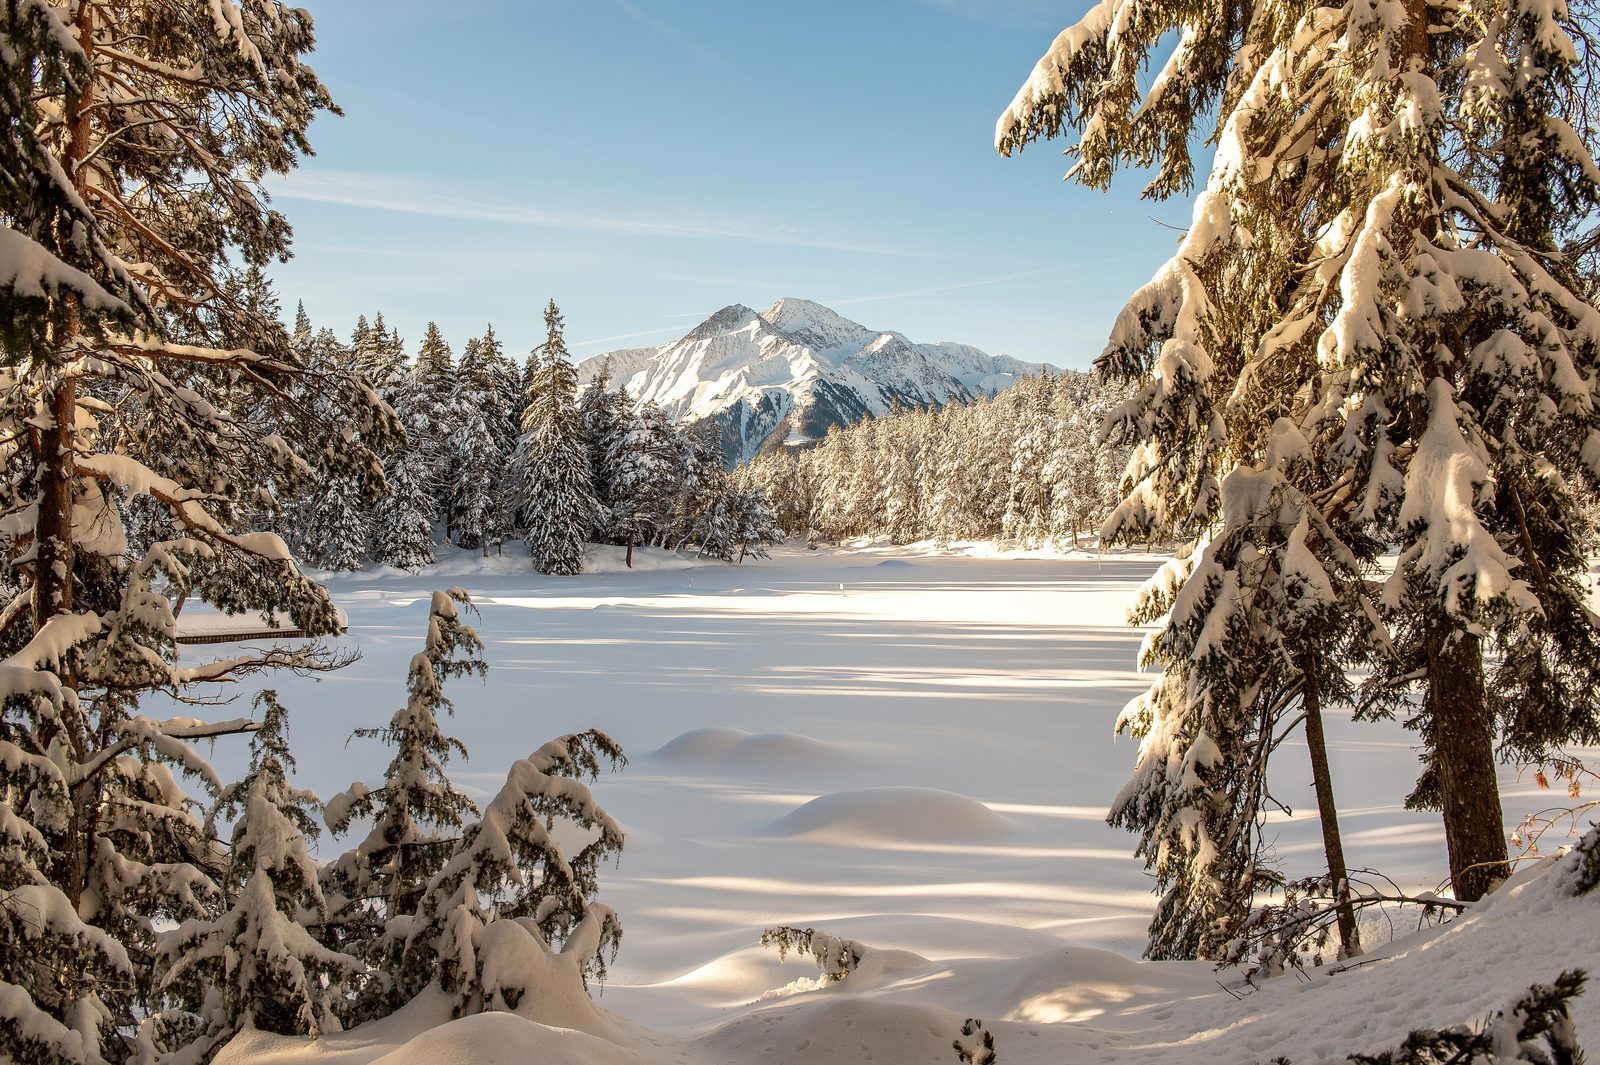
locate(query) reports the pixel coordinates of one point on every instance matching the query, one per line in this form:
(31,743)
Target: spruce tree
(603,416)
(140,374)
(402,522)
(508,866)
(433,899)
(555,497)
(259,964)
(478,446)
(642,461)
(378,354)
(435,377)
(1375,257)
(374,889)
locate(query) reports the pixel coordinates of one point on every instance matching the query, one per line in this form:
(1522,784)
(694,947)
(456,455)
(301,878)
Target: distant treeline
(1028,465)
(495,452)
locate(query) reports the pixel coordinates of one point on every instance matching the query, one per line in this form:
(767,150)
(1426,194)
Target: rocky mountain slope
(792,371)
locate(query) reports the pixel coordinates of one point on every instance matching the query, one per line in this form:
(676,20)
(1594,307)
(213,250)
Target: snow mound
(909,815)
(736,747)
(507,1039)
(823,1028)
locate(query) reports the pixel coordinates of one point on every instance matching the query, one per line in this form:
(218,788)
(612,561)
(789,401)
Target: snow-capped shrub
(1587,852)
(835,956)
(259,963)
(424,895)
(1537,1028)
(976,1047)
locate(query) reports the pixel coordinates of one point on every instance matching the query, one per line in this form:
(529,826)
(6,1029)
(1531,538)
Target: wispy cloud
(382,192)
(1002,281)
(682,40)
(670,330)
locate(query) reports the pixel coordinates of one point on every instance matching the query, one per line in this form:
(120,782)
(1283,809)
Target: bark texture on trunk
(1328,812)
(1463,752)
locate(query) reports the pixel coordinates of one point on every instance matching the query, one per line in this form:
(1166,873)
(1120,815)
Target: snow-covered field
(914,750)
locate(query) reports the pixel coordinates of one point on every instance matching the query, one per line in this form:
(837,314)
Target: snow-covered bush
(509,866)
(259,963)
(421,896)
(1586,876)
(1536,1029)
(835,956)
(976,1045)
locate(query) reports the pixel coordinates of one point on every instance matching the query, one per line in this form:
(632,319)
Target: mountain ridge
(790,372)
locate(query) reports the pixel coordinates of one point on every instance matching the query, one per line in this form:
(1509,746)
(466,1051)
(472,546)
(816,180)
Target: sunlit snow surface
(913,749)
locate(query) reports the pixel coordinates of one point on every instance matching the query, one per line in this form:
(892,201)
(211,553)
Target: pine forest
(1203,671)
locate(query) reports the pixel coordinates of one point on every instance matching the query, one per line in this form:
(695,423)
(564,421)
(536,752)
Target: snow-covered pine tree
(259,964)
(54,965)
(1375,256)
(476,465)
(339,529)
(435,378)
(402,522)
(1251,629)
(478,448)
(331,527)
(555,490)
(603,416)
(507,387)
(702,510)
(643,464)
(510,889)
(754,524)
(1027,516)
(789,484)
(61,276)
(378,354)
(139,132)
(490,909)
(902,497)
(373,890)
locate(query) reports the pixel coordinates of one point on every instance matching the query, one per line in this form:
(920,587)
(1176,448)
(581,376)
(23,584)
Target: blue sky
(644,162)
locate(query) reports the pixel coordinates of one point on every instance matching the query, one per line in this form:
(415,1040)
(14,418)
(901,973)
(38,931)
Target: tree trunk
(1463,752)
(630,552)
(1327,811)
(55,550)
(52,583)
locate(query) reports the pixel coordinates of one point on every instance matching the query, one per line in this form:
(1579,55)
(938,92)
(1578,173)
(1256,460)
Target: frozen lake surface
(913,750)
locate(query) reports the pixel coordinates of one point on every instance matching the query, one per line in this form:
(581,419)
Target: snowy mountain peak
(791,372)
(822,328)
(730,319)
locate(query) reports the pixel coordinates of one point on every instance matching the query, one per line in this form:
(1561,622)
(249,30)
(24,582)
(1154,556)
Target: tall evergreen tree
(1375,259)
(132,375)
(378,353)
(375,888)
(642,462)
(435,381)
(556,493)
(479,445)
(603,416)
(402,522)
